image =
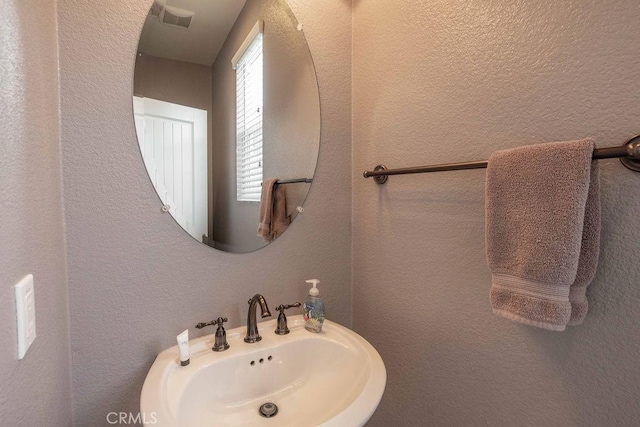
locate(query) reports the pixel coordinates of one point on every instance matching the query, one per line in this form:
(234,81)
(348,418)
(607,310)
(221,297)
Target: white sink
(335,378)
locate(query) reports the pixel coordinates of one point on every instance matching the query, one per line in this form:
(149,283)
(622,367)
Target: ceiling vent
(156,8)
(176,17)
(170,15)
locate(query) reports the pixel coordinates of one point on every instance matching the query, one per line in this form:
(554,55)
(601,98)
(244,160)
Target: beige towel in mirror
(273,210)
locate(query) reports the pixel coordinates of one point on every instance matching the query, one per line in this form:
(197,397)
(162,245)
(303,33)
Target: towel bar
(294,181)
(628,153)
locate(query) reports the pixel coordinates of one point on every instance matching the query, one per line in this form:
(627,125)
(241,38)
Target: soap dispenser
(313,309)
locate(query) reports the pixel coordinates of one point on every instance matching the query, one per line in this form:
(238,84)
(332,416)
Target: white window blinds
(249,121)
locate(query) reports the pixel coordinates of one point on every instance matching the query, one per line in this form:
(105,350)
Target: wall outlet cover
(26,314)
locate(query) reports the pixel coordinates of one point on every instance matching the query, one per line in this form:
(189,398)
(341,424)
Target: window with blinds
(249,119)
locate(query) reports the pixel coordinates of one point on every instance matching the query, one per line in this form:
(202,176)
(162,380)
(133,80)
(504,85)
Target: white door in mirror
(173,142)
(26,314)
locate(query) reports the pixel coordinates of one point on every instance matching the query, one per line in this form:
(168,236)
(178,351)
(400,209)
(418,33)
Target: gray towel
(589,250)
(542,232)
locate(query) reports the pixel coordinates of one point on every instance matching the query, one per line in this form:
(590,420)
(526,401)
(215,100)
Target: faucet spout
(252,324)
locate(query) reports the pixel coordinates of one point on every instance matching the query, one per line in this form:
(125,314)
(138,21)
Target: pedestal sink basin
(335,378)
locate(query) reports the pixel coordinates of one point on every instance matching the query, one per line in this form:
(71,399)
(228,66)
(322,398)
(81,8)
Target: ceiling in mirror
(208,24)
(227,117)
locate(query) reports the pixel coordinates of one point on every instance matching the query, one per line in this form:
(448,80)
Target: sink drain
(268,410)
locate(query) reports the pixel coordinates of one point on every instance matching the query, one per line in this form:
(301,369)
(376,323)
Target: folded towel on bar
(273,210)
(589,251)
(542,232)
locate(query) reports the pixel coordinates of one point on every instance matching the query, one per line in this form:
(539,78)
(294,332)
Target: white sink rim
(154,408)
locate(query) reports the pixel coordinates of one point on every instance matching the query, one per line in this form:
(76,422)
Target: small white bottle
(313,309)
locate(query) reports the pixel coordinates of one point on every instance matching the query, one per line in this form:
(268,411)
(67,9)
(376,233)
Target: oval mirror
(227,116)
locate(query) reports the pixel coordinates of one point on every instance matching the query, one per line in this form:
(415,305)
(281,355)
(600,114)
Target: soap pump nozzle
(314,291)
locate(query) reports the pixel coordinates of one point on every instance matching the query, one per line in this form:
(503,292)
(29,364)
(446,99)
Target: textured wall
(291,121)
(445,81)
(179,82)
(136,279)
(34,390)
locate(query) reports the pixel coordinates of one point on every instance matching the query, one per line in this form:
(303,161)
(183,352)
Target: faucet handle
(282,328)
(221,335)
(202,324)
(282,308)
(219,321)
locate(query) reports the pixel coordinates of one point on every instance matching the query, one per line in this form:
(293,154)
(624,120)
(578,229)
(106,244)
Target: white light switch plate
(26,312)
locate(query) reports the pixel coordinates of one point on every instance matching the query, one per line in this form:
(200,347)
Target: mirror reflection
(227,116)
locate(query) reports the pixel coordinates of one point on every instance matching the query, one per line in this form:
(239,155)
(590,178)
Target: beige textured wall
(34,391)
(136,279)
(291,121)
(447,81)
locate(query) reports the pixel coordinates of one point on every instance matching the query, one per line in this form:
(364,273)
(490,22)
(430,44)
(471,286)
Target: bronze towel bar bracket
(628,153)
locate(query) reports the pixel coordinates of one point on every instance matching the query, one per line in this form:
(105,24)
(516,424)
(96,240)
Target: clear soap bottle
(313,309)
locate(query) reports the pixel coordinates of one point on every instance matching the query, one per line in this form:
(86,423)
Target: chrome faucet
(252,325)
